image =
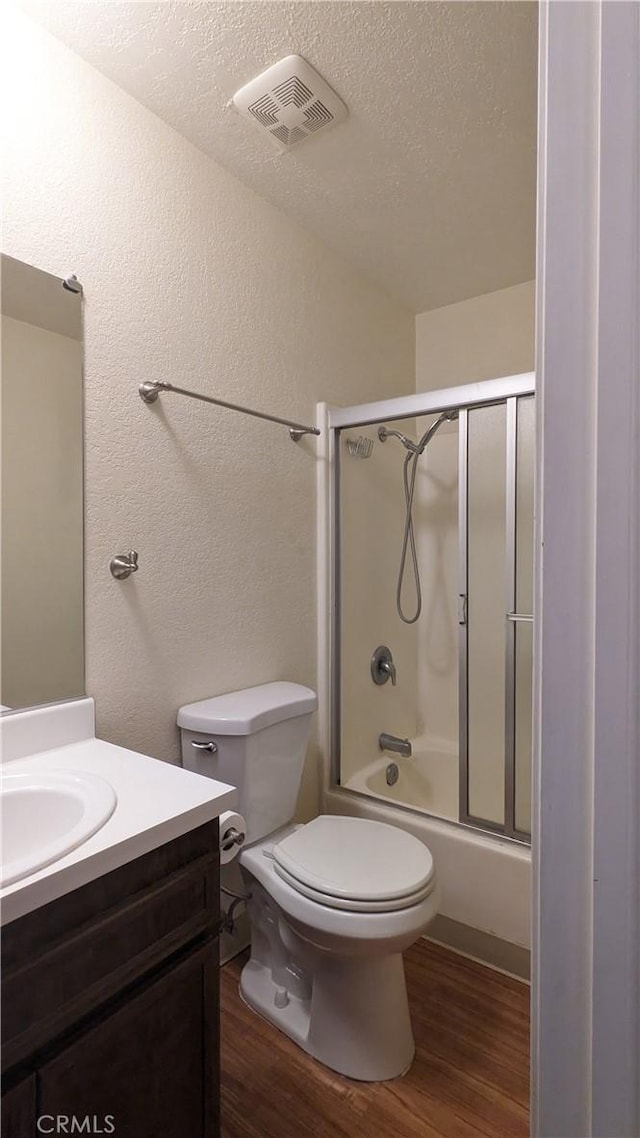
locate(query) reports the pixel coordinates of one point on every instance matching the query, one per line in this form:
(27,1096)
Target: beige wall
(189,278)
(41,443)
(482,338)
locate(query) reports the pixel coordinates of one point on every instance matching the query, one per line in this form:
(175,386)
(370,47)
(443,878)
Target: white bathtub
(426,781)
(485,880)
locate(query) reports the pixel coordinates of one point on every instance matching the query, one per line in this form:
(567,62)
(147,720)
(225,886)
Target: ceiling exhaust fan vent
(290,101)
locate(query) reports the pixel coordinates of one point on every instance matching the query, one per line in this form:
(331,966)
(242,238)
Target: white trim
(324,596)
(586,983)
(616,909)
(565,355)
(430,402)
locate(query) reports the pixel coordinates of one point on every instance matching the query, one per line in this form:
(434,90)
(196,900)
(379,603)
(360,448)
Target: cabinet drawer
(51,986)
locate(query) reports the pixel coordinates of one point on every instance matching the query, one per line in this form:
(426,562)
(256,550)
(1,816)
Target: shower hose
(408,540)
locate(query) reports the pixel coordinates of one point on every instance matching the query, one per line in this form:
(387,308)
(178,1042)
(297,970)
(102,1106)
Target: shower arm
(150,391)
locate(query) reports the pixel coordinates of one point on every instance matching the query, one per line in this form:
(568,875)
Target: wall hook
(123,565)
(72,284)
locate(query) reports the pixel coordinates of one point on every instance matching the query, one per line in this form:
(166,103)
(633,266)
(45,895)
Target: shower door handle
(462,608)
(527,618)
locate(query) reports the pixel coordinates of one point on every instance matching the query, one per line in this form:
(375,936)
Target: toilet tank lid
(245,712)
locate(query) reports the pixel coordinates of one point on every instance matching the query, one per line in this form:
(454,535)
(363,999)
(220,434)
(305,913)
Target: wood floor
(470,1075)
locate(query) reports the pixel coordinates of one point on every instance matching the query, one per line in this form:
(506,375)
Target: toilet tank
(259,738)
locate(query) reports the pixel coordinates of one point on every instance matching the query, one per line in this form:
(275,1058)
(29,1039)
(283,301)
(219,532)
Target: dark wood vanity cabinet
(110,1002)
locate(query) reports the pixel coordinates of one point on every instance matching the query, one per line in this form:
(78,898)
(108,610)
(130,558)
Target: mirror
(41,480)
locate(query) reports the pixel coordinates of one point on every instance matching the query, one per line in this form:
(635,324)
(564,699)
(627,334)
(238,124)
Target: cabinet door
(150,1069)
(19,1110)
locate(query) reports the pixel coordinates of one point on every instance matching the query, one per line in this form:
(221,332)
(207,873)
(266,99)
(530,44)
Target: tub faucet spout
(393,743)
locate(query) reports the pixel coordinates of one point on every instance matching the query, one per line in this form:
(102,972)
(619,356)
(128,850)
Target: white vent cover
(290,101)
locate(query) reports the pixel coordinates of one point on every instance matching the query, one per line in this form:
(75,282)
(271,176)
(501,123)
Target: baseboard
(512,959)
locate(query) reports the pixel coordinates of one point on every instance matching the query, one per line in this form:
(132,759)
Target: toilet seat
(355,864)
(351,904)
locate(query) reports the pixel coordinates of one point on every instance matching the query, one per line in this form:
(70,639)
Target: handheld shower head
(445,417)
(417,448)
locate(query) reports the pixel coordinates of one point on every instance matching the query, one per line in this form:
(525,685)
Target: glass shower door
(486,543)
(447,731)
(520,694)
(496,618)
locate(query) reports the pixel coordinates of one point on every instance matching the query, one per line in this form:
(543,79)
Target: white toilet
(334,903)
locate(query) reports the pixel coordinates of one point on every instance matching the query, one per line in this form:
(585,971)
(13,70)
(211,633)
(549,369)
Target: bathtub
(485,880)
(428,781)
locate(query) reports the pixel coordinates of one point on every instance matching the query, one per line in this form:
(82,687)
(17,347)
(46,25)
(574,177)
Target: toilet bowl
(332,904)
(327,969)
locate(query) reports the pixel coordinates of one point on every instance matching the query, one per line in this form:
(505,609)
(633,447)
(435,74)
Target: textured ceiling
(428,187)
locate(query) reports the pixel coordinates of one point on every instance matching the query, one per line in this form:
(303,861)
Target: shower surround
(463,690)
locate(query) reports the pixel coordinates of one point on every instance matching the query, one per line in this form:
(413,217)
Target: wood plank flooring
(470,1075)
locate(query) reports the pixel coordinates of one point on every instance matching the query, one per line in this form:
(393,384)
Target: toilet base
(356,1019)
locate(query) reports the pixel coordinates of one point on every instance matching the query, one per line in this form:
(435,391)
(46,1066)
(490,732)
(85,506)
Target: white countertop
(156,803)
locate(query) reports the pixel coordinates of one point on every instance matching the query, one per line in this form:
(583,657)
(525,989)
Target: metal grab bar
(150,391)
(518,616)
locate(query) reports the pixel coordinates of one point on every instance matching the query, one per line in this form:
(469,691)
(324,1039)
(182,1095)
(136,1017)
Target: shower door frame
(470,396)
(508,827)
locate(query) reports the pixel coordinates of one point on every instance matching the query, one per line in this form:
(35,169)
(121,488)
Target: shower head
(445,417)
(417,448)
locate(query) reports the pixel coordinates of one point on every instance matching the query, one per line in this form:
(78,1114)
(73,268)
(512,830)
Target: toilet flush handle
(209,746)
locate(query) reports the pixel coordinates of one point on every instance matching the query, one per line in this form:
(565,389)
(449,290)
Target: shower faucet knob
(382,666)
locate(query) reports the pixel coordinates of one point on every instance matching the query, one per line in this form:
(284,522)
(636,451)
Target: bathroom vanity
(110,999)
(110,957)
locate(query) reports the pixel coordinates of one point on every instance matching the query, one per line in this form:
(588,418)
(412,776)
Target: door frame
(586,852)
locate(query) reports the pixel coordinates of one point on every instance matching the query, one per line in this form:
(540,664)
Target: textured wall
(191,278)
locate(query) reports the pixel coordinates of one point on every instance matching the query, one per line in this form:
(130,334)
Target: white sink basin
(44,816)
